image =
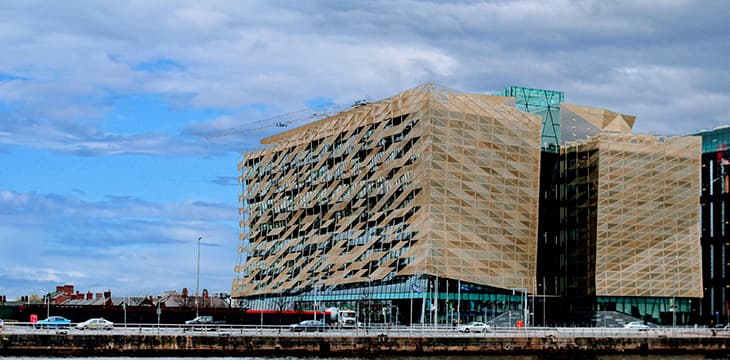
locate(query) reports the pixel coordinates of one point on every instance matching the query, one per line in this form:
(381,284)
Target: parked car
(53,322)
(308,325)
(95,324)
(637,325)
(474,326)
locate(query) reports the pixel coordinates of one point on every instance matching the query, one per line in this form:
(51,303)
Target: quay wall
(60,344)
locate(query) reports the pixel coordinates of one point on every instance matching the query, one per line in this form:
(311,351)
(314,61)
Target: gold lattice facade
(637,196)
(427,182)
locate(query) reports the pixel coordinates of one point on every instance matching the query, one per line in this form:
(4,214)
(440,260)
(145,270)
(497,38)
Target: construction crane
(285,120)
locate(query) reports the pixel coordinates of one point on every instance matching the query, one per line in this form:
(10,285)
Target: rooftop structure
(583,122)
(544,103)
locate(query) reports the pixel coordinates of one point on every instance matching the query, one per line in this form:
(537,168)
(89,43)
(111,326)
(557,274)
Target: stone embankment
(98,344)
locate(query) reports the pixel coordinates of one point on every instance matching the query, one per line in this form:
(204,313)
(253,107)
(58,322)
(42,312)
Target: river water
(459,357)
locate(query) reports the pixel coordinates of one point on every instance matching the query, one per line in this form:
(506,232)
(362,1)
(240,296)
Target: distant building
(64,295)
(173,299)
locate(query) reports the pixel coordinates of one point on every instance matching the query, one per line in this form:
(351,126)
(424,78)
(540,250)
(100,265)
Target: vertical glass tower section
(714,201)
(544,103)
(631,224)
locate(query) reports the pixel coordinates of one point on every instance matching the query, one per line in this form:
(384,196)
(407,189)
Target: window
(712,220)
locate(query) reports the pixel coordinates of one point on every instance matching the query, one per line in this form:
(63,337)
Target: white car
(474,326)
(96,324)
(636,325)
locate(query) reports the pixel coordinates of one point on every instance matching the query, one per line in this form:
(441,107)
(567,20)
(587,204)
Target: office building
(425,201)
(629,227)
(436,205)
(715,231)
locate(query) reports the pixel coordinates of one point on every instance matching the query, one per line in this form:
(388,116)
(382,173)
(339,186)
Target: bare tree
(281,303)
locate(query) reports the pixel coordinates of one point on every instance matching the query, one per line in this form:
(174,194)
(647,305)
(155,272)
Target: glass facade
(544,103)
(714,201)
(658,310)
(431,189)
(715,140)
(414,301)
(426,207)
(624,243)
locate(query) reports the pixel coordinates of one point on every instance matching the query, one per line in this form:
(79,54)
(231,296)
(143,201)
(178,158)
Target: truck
(342,317)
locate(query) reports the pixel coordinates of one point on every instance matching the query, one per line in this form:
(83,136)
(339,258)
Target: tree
(281,304)
(365,306)
(35,298)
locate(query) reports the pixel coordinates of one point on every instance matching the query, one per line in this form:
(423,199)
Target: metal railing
(416,330)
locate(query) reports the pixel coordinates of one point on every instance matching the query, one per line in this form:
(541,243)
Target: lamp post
(197,280)
(674,300)
(124,307)
(526,312)
(315,302)
(523,300)
(159,312)
(543,287)
(319,282)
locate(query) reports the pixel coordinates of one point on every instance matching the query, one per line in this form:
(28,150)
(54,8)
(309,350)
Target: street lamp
(197,280)
(316,282)
(543,287)
(159,312)
(674,301)
(315,301)
(525,313)
(124,307)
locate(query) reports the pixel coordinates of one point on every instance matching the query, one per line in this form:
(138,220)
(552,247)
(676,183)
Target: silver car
(95,324)
(474,326)
(637,325)
(308,325)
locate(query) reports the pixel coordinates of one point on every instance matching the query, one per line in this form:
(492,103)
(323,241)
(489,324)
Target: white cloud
(239,54)
(200,18)
(43,274)
(64,64)
(123,244)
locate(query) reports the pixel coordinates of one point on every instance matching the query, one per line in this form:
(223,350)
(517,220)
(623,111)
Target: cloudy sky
(121,123)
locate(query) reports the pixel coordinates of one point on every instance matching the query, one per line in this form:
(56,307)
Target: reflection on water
(456,357)
(443,357)
(577,356)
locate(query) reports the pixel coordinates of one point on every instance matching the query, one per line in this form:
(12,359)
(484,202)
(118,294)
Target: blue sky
(121,123)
